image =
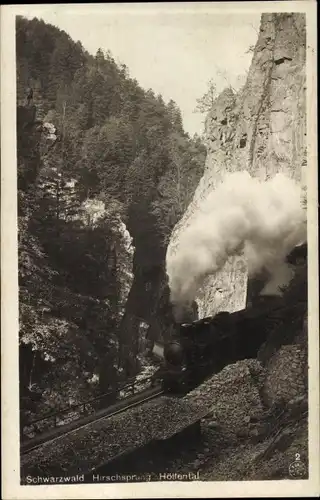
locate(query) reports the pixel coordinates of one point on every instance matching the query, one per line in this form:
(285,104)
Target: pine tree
(175,116)
(205,103)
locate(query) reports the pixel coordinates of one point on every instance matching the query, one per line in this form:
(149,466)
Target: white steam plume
(263,221)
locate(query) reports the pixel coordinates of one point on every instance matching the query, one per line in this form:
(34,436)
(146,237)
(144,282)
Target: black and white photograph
(163,157)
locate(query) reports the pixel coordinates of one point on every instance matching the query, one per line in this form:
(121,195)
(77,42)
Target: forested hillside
(99,194)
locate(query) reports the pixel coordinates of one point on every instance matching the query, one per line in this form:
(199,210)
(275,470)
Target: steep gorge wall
(261,129)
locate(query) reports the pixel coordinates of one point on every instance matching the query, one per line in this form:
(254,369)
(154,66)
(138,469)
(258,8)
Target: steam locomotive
(199,349)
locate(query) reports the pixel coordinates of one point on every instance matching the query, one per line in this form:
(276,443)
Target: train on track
(204,347)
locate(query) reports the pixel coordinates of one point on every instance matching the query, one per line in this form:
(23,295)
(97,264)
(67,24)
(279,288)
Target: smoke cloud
(261,220)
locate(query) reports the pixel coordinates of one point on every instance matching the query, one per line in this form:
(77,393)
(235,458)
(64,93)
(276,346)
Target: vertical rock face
(261,129)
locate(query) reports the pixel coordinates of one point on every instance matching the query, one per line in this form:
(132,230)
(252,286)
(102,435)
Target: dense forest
(96,210)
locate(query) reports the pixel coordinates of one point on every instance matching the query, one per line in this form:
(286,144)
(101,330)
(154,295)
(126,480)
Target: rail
(82,407)
(119,407)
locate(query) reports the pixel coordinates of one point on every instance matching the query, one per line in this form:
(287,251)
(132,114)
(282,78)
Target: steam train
(199,349)
(204,347)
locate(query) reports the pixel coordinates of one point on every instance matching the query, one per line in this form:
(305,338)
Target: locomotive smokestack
(263,221)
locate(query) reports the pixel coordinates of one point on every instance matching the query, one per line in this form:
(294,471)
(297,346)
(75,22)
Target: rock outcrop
(34,139)
(261,129)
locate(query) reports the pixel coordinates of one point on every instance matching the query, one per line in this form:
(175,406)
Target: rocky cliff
(261,129)
(53,311)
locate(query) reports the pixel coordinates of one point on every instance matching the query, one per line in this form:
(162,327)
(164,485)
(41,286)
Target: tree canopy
(121,162)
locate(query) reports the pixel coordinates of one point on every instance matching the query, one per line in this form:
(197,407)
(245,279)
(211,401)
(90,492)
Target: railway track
(120,407)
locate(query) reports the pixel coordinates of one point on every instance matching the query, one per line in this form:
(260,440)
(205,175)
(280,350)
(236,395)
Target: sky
(175,49)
